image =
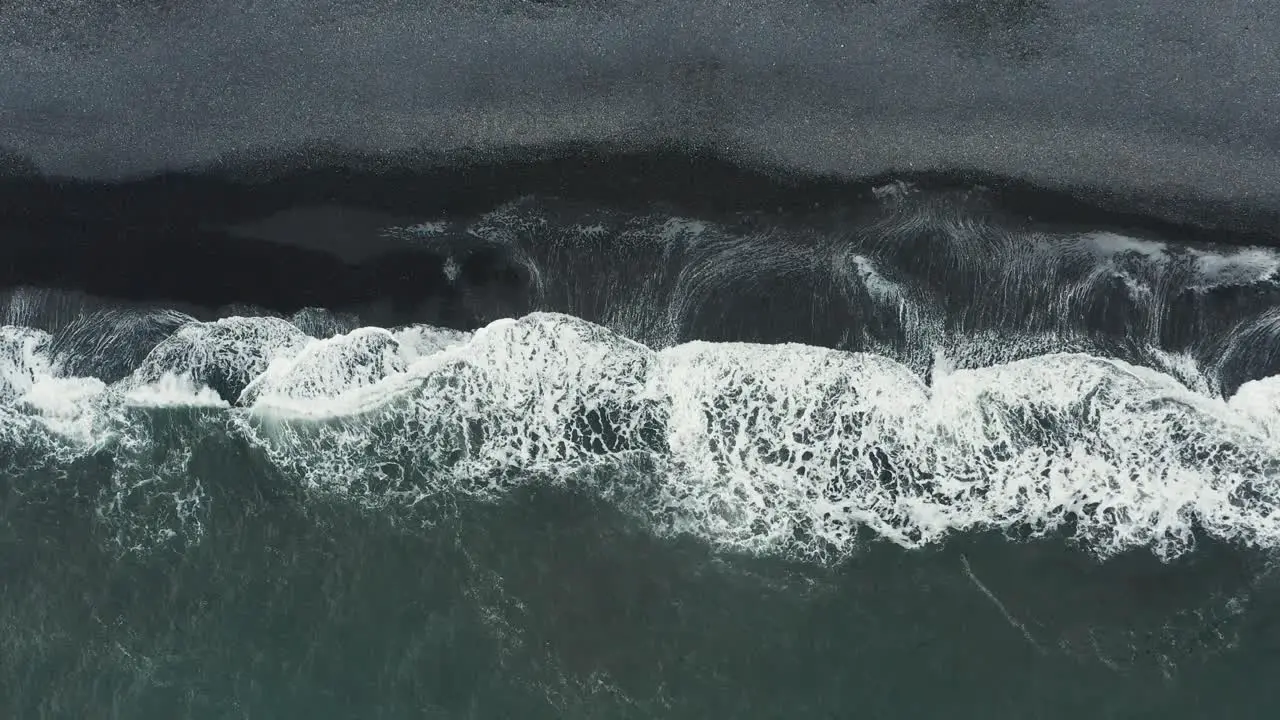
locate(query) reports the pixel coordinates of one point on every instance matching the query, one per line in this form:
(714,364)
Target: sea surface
(913,459)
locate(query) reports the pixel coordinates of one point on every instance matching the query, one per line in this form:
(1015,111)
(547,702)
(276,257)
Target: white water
(762,448)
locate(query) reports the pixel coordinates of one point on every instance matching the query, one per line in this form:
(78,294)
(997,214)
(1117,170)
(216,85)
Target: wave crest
(786,449)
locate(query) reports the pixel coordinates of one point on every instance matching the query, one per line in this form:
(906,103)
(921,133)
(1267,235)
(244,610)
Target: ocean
(910,455)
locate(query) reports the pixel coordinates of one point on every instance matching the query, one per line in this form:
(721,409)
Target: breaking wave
(906,369)
(773,449)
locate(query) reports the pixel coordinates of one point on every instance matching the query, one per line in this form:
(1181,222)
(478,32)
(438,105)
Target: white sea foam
(881,289)
(1259,402)
(429,228)
(173,391)
(21,361)
(893,191)
(326,369)
(1242,267)
(1109,244)
(763,448)
(229,352)
(422,340)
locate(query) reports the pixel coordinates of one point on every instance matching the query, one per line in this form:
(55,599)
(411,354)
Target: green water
(552,604)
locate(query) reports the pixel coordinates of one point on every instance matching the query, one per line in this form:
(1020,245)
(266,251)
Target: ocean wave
(900,273)
(774,449)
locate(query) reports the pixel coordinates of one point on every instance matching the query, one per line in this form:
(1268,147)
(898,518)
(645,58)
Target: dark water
(553,604)
(579,553)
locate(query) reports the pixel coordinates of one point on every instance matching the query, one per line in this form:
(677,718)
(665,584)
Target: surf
(781,449)
(907,369)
